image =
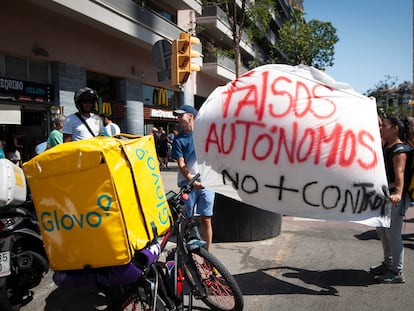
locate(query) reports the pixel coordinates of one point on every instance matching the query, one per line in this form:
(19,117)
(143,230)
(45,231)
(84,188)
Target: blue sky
(375,39)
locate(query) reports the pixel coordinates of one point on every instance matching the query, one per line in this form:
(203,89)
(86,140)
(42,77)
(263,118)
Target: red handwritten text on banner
(299,124)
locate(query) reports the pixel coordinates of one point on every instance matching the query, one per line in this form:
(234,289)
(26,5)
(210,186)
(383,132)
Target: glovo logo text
(151,164)
(57,221)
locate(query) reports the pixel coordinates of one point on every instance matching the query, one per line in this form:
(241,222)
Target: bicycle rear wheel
(126,298)
(142,295)
(223,292)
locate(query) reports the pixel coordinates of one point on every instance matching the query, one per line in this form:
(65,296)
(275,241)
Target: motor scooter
(23,260)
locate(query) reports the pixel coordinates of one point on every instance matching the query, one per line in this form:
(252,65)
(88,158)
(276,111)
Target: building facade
(50,48)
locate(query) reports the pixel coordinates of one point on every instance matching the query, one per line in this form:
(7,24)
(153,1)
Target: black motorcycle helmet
(85,94)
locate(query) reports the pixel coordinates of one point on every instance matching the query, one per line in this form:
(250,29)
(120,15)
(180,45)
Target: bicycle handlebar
(187,188)
(175,198)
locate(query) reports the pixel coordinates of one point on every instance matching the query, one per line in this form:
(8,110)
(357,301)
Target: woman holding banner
(394,135)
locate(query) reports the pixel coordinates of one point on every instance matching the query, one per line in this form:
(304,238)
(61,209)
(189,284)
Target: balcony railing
(154,21)
(215,60)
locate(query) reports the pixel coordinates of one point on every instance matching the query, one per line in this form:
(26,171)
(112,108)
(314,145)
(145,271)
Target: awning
(10,115)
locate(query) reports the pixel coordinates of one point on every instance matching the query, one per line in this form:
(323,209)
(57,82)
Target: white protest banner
(291,140)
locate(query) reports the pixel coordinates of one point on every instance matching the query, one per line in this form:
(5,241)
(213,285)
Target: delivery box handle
(129,136)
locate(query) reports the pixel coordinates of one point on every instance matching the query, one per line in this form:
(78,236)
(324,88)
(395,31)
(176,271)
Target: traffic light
(181,66)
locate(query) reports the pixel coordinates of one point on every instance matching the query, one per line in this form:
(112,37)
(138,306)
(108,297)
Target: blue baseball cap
(186,109)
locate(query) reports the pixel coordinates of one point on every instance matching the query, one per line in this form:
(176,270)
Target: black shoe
(390,277)
(379,270)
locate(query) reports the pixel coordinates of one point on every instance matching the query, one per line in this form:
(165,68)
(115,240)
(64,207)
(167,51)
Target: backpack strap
(86,124)
(409,167)
(401,148)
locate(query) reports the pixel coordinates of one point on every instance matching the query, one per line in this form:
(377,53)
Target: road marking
(306,219)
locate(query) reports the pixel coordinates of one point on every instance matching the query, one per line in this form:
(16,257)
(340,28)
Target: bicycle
(188,268)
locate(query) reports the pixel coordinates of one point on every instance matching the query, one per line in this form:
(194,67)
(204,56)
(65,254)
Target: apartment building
(50,48)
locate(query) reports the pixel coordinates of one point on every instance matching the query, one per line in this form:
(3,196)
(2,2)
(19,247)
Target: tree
(252,18)
(310,43)
(392,98)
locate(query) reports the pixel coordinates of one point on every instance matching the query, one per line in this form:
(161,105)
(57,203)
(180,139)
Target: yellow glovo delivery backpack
(98,200)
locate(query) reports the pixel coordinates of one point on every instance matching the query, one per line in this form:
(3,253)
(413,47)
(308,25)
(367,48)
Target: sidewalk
(169,177)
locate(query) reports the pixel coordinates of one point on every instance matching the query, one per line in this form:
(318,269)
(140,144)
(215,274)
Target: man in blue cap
(183,151)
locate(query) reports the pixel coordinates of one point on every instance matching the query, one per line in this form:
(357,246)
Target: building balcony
(285,7)
(124,19)
(177,5)
(215,26)
(221,67)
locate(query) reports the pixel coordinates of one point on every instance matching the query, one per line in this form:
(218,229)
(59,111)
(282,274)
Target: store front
(159,118)
(26,111)
(159,105)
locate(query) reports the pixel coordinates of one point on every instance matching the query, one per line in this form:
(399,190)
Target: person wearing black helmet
(84,123)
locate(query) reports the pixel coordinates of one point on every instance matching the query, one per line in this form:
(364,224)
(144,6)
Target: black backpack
(409,167)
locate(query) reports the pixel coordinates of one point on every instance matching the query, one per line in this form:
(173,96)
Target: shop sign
(160,97)
(19,90)
(107,108)
(113,108)
(103,107)
(158,113)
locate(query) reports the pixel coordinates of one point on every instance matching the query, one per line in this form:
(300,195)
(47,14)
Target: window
(106,86)
(16,68)
(39,72)
(159,97)
(27,70)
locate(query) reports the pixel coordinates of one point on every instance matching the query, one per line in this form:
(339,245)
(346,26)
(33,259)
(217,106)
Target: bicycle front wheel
(223,292)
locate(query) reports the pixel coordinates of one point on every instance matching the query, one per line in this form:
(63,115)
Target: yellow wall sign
(160,97)
(103,107)
(107,108)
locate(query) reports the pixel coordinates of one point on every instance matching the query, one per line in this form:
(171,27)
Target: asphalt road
(312,265)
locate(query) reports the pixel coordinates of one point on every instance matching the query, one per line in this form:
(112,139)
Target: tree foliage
(310,43)
(391,96)
(253,18)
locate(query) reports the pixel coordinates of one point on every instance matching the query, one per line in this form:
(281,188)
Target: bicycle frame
(152,287)
(207,280)
(182,248)
(182,257)
(161,285)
